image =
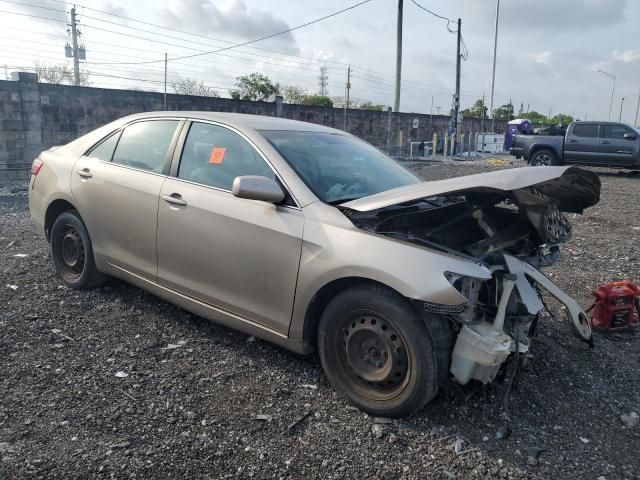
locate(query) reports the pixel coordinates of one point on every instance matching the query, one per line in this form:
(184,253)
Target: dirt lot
(200,401)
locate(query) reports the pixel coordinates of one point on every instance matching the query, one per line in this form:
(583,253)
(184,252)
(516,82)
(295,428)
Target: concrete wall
(35,116)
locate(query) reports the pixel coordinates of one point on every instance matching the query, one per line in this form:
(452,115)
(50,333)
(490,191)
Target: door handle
(174,198)
(604,142)
(573,141)
(84,173)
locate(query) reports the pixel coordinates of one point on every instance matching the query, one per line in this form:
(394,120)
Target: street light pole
(396,102)
(621,104)
(635,123)
(613,89)
(493,73)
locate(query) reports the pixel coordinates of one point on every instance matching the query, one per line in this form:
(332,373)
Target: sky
(548,56)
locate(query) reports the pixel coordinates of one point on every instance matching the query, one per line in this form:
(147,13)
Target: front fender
(332,252)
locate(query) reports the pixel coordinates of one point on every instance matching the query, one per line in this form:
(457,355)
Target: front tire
(544,158)
(376,351)
(72,252)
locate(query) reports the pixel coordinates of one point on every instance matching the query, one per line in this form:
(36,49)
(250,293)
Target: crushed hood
(571,189)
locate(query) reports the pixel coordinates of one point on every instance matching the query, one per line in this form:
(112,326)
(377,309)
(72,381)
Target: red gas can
(617,307)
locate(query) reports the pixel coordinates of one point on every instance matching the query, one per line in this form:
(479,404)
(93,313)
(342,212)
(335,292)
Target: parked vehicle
(606,144)
(311,238)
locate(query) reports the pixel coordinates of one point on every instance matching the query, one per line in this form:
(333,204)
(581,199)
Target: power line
(33,16)
(34,6)
(370,71)
(433,13)
(265,37)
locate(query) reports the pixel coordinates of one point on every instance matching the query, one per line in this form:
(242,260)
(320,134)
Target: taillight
(36,166)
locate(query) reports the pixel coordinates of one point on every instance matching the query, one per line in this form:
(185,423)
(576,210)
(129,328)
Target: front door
(236,254)
(614,149)
(117,185)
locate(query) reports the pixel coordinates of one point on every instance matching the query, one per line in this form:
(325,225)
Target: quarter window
(145,145)
(104,151)
(215,156)
(587,130)
(613,131)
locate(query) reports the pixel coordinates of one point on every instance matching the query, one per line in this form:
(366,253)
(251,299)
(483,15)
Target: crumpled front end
(514,233)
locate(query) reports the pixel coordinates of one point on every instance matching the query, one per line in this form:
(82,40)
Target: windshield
(338,167)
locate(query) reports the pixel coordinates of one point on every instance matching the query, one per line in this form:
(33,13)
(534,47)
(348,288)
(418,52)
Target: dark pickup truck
(606,144)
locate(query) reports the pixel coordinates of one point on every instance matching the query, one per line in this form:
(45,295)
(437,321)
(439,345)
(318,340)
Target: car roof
(256,122)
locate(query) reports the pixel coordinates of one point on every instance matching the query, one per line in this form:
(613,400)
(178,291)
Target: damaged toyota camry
(310,238)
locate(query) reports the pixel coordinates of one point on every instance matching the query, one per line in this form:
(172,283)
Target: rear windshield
(337,167)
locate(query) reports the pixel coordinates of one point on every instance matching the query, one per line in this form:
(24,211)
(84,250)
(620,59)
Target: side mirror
(630,136)
(255,187)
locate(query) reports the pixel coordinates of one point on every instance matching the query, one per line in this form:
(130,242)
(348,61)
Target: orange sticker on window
(217,155)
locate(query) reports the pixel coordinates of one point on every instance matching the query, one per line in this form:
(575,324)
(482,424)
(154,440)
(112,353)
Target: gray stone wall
(35,116)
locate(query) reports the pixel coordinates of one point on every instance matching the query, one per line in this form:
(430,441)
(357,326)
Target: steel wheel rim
(373,358)
(72,252)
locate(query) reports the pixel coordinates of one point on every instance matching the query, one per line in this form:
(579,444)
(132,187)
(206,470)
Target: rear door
(117,185)
(614,149)
(581,143)
(239,255)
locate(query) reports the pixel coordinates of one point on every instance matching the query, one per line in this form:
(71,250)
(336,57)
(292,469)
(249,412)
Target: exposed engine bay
(513,233)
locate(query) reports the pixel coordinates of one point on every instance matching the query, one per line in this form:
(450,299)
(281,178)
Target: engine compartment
(513,233)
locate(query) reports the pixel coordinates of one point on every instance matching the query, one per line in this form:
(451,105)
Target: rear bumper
(36,207)
(516,152)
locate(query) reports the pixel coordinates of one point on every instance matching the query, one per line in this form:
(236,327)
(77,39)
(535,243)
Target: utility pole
(635,123)
(431,117)
(165,81)
(456,102)
(346,97)
(74,41)
(396,103)
(493,73)
(621,104)
(323,80)
(482,115)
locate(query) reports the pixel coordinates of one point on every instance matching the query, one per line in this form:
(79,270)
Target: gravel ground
(117,383)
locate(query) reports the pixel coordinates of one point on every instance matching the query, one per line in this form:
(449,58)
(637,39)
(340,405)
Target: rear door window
(104,150)
(144,145)
(615,132)
(214,155)
(586,130)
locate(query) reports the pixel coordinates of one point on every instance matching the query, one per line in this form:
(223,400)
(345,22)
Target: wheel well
(53,211)
(538,148)
(322,298)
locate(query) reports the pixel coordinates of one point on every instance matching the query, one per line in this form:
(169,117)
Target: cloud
(558,17)
(628,55)
(542,57)
(114,9)
(236,20)
(43,8)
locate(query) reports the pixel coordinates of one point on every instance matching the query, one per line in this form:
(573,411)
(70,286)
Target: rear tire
(72,252)
(377,351)
(544,158)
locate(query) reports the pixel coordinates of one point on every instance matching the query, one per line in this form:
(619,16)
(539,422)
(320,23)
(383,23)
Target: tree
(504,113)
(59,74)
(370,106)
(294,94)
(537,118)
(191,86)
(256,87)
(561,119)
(318,101)
(476,110)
